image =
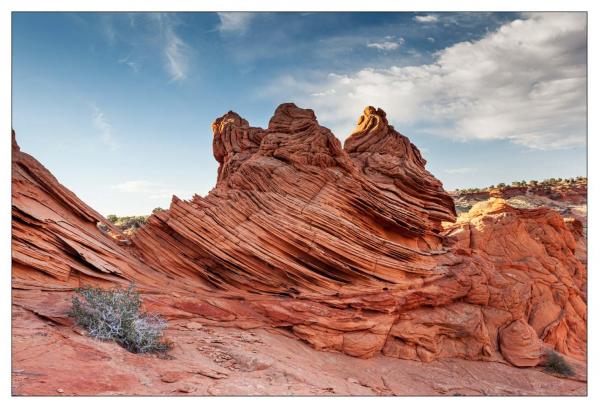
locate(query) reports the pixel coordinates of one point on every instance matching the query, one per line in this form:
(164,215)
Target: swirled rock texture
(293,213)
(351,248)
(536,275)
(395,166)
(60,242)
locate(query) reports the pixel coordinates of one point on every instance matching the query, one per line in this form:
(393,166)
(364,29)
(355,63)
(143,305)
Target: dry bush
(114,315)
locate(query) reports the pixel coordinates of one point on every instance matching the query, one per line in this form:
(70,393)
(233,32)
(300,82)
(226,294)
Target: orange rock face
(353,249)
(57,242)
(293,213)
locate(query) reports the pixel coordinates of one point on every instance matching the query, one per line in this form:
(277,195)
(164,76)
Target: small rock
(186,388)
(194,325)
(59,390)
(171,377)
(210,373)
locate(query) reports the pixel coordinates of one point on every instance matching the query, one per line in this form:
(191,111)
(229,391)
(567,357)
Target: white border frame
(7,6)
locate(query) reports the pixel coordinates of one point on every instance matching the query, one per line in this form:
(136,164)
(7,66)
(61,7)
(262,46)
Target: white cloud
(100,122)
(426,19)
(175,51)
(390,44)
(387,45)
(234,22)
(158,30)
(460,170)
(525,83)
(151,189)
(325,93)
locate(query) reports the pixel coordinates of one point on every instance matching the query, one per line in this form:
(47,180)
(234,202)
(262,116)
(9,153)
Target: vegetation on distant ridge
(547,183)
(130,223)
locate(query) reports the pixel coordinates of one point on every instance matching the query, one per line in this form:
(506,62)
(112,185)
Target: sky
(118,106)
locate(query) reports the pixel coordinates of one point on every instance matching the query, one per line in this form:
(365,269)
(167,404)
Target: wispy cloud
(176,52)
(460,170)
(146,35)
(386,45)
(177,61)
(325,93)
(525,83)
(426,19)
(236,23)
(100,122)
(151,189)
(135,66)
(108,29)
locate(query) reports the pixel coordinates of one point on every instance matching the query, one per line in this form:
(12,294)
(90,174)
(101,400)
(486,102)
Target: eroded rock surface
(353,249)
(52,359)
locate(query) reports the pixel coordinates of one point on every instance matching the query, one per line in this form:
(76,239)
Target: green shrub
(114,315)
(555,363)
(128,224)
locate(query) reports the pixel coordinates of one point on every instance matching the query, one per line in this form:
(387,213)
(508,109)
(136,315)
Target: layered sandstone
(60,242)
(292,213)
(353,249)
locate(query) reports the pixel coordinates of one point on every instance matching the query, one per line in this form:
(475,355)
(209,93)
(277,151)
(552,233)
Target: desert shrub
(157,209)
(128,224)
(555,363)
(114,315)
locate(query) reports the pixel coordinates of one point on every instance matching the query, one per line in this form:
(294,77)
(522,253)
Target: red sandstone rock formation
(344,247)
(58,241)
(535,274)
(293,213)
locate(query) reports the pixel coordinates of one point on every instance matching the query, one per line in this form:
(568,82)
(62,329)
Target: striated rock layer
(292,213)
(58,241)
(354,249)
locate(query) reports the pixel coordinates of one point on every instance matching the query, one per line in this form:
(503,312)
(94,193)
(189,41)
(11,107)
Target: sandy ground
(55,358)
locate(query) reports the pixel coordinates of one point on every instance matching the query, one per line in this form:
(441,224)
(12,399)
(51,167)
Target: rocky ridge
(353,249)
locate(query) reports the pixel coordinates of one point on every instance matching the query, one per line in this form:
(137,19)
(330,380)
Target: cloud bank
(525,82)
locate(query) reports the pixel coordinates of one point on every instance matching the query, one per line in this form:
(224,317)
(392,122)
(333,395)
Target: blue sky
(118,106)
